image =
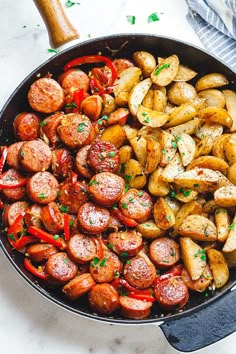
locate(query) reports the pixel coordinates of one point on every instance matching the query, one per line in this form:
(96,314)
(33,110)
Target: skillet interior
(118,46)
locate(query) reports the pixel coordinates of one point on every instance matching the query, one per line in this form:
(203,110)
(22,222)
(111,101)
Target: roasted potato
(168,147)
(185,210)
(218,267)
(156,185)
(230,100)
(214,98)
(216,115)
(145,61)
(109,104)
(163,214)
(187,148)
(199,228)
(125,155)
(173,168)
(218,146)
(166,71)
(204,146)
(222,222)
(185,74)
(159,100)
(189,127)
(181,114)
(137,94)
(181,92)
(148,99)
(212,80)
(230,148)
(230,244)
(135,171)
(199,179)
(211,162)
(150,230)
(153,155)
(194,257)
(139,145)
(232,173)
(150,118)
(126,80)
(225,196)
(214,130)
(115,134)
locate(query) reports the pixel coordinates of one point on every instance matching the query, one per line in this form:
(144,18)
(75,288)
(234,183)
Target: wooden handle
(60,30)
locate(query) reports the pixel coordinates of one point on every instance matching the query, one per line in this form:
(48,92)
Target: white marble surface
(29,323)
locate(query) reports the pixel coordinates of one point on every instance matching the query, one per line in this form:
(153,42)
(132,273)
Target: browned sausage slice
(46,95)
(103,299)
(81,162)
(133,308)
(122,64)
(12,211)
(136,204)
(104,270)
(60,267)
(73,195)
(48,128)
(16,177)
(171,293)
(42,188)
(33,216)
(52,217)
(40,252)
(92,218)
(139,272)
(81,248)
(103,156)
(106,188)
(128,242)
(164,252)
(13,155)
(200,284)
(74,79)
(35,156)
(79,286)
(74,130)
(26,126)
(62,162)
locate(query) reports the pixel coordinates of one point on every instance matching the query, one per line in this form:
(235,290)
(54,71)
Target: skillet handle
(203,327)
(60,30)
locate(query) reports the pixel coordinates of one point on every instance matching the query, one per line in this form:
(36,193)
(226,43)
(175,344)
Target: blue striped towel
(214,21)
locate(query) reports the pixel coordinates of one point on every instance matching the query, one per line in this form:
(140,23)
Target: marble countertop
(29,323)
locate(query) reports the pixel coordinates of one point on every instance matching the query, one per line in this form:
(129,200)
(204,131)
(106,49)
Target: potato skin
(145,61)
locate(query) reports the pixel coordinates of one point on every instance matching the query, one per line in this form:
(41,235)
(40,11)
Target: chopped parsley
(153,17)
(64,209)
(103,262)
(81,127)
(131,200)
(202,136)
(196,185)
(124,206)
(163,151)
(116,273)
(112,153)
(201,254)
(103,118)
(173,144)
(22,153)
(231,226)
(69,3)
(128,261)
(101,157)
(70,105)
(42,196)
(65,260)
(131,19)
(12,237)
(50,50)
(140,194)
(56,237)
(178,138)
(164,66)
(168,217)
(144,114)
(172,252)
(124,254)
(93,182)
(110,246)
(173,194)
(43,123)
(147,120)
(95,261)
(184,192)
(71,223)
(127,178)
(91,221)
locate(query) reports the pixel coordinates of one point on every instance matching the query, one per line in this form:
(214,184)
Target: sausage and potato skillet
(119,189)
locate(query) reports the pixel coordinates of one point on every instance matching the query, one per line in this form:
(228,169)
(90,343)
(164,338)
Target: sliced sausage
(33,216)
(74,130)
(81,162)
(119,116)
(122,64)
(136,204)
(52,217)
(74,79)
(164,252)
(200,284)
(139,273)
(103,156)
(40,252)
(46,95)
(128,242)
(42,188)
(78,286)
(48,129)
(81,248)
(60,267)
(26,126)
(62,162)
(104,270)
(171,293)
(15,177)
(13,155)
(35,156)
(12,211)
(73,195)
(92,106)
(93,219)
(114,224)
(133,308)
(103,298)
(106,188)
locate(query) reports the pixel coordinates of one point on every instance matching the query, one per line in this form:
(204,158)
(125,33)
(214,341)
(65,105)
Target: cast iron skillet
(205,320)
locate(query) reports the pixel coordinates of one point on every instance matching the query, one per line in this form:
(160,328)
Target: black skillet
(207,317)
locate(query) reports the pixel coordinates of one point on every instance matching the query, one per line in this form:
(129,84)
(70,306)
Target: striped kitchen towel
(214,21)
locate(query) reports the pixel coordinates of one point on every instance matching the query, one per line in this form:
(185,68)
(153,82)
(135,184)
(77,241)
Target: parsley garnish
(103,262)
(131,200)
(184,192)
(164,66)
(231,226)
(116,273)
(64,209)
(140,194)
(147,120)
(42,123)
(65,261)
(196,185)
(173,143)
(178,138)
(168,217)
(42,196)
(163,151)
(122,167)
(153,17)
(93,182)
(110,246)
(95,261)
(56,237)
(81,127)
(124,206)
(124,254)
(100,120)
(91,221)
(112,153)
(173,194)
(202,254)
(128,261)
(12,237)
(50,50)
(70,105)
(69,3)
(71,223)
(131,19)
(22,153)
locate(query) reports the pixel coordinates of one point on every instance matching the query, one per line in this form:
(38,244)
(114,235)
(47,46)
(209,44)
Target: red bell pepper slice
(89,59)
(38,272)
(11,184)
(4,150)
(1,204)
(119,282)
(23,241)
(142,297)
(123,219)
(46,237)
(15,229)
(99,247)
(173,272)
(67,227)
